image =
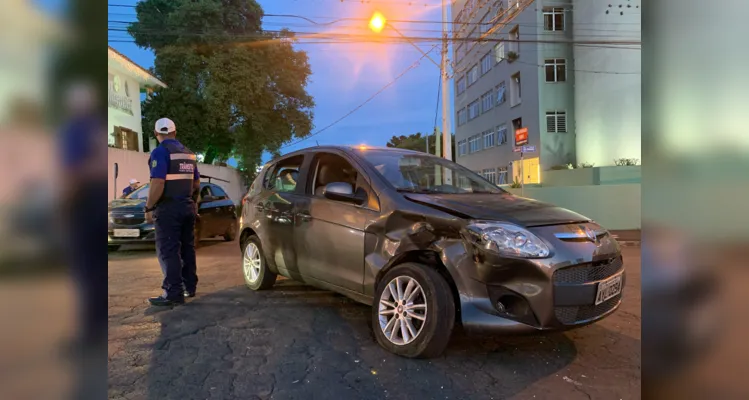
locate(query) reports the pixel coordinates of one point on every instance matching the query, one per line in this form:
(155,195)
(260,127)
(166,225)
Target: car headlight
(508,239)
(111,219)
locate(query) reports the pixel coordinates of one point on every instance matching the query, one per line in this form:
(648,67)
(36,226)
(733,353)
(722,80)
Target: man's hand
(149,217)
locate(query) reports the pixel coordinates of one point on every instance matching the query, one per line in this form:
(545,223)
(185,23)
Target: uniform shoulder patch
(153,163)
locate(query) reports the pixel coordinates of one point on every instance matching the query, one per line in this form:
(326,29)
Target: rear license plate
(609,288)
(126,232)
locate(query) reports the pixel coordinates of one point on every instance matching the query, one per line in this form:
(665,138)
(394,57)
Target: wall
(607,104)
(118,117)
(617,175)
(616,207)
(556,148)
(135,165)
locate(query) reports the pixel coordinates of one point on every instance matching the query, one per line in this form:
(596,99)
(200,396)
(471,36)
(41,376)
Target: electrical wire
(311,19)
(382,38)
(412,66)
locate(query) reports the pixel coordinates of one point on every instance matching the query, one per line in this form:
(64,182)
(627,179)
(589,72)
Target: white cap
(134,181)
(165,126)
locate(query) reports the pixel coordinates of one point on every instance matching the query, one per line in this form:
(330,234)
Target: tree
(233,89)
(416,142)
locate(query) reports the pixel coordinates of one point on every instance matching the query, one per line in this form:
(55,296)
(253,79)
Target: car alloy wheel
(252,262)
(402,310)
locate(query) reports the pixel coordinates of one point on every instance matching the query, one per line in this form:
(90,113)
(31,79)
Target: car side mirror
(341,191)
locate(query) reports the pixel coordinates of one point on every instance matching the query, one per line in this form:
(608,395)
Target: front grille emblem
(591,234)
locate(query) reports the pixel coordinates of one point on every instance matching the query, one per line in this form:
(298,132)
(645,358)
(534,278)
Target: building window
(474,143)
(460,52)
(553,19)
(488,139)
(501,134)
(462,116)
(514,38)
(484,27)
(556,70)
(473,110)
(473,75)
(125,139)
(500,10)
(499,52)
(486,63)
(461,85)
(487,101)
(502,176)
(517,123)
(501,93)
(490,175)
(515,90)
(462,147)
(556,122)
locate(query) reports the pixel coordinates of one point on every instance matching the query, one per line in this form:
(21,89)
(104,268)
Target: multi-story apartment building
(516,79)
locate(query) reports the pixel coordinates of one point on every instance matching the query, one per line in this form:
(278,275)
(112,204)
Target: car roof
(352,149)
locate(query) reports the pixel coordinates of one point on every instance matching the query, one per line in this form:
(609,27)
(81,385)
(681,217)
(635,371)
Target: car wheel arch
(246,233)
(429,258)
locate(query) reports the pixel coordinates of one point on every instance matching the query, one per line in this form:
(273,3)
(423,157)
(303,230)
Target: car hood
(127,205)
(499,207)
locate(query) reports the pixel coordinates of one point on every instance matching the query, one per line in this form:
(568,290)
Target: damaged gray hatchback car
(428,244)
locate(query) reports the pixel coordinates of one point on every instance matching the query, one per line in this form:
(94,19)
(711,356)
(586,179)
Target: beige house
(127,81)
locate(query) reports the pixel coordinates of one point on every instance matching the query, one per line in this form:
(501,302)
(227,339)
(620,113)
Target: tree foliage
(417,142)
(233,90)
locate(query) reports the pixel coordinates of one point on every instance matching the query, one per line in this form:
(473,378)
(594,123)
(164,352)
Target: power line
(412,66)
(360,37)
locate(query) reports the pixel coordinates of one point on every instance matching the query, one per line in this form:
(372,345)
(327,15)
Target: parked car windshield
(139,193)
(415,173)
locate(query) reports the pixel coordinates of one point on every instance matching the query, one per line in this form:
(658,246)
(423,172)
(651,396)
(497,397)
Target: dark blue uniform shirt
(160,160)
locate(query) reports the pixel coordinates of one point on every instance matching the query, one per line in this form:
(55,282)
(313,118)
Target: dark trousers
(83,228)
(175,246)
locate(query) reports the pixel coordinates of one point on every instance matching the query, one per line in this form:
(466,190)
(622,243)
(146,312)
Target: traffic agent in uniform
(171,205)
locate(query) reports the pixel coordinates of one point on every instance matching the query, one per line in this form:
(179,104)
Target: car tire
(231,232)
(427,338)
(113,247)
(257,275)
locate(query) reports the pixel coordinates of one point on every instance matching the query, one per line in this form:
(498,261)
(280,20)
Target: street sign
(517,149)
(521,136)
(529,149)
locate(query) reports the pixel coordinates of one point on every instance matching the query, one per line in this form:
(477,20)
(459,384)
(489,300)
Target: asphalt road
(297,342)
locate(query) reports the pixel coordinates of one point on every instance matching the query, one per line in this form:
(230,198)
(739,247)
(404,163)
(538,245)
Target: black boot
(163,301)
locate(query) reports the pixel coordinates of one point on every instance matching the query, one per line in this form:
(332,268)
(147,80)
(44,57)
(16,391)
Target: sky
(345,75)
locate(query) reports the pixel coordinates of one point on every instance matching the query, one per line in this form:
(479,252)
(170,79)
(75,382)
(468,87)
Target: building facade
(127,81)
(517,79)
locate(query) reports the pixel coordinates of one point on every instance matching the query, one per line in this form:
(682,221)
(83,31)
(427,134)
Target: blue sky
(345,75)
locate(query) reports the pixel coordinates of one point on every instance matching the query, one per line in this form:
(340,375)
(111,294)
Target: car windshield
(409,172)
(139,193)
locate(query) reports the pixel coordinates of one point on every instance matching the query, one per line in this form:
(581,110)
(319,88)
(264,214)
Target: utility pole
(446,131)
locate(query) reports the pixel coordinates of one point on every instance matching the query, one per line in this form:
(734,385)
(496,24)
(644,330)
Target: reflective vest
(180,171)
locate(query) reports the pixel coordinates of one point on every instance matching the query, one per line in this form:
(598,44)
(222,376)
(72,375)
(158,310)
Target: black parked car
(127,221)
(427,243)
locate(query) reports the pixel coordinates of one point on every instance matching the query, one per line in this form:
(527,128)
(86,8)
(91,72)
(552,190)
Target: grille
(570,315)
(137,220)
(588,272)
